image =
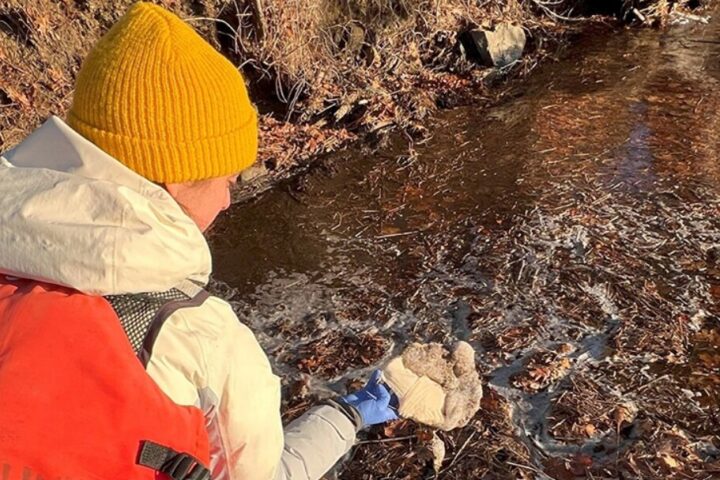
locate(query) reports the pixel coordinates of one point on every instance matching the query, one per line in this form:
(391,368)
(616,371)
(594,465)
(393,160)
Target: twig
(544,7)
(401,234)
(457,455)
(640,389)
(387,440)
(713,42)
(259,19)
(639,15)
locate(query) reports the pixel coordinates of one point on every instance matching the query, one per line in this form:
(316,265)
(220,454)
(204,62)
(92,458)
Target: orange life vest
(75,401)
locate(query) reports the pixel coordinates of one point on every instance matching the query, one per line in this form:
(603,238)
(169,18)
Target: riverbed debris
(596,312)
(609,366)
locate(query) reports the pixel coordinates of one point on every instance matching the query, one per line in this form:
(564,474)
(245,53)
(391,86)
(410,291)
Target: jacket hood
(72,215)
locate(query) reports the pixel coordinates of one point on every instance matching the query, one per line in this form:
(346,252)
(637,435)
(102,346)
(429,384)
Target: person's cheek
(228,199)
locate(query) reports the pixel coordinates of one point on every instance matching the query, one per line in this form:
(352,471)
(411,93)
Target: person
(102,264)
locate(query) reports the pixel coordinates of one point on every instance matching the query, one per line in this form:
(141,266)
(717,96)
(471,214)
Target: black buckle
(178,466)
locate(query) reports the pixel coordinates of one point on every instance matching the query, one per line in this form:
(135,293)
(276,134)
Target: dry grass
(323,71)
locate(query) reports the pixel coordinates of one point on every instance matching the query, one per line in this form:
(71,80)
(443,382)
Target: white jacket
(72,215)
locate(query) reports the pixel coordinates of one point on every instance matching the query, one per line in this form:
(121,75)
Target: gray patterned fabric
(137,312)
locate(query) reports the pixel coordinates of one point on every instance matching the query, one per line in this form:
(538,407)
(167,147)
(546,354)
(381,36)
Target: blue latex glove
(373,402)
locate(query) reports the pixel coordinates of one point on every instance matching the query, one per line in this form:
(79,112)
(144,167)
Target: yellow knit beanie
(161,100)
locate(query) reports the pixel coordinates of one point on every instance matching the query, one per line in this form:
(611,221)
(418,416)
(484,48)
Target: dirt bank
(323,72)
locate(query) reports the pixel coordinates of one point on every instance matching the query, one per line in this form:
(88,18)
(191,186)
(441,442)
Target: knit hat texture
(161,100)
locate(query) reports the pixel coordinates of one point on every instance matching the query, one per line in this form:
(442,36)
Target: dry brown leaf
(624,413)
(398,428)
(389,230)
(710,360)
(424,434)
(580,464)
(19,97)
(668,460)
(589,429)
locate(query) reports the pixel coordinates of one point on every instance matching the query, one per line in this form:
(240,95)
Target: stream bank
(324,73)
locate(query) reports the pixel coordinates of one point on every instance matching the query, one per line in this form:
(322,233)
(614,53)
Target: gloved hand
(372,402)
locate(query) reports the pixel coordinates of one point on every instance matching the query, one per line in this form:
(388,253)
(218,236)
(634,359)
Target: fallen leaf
(424,434)
(710,360)
(437,446)
(559,469)
(668,460)
(580,464)
(398,428)
(490,400)
(624,413)
(389,230)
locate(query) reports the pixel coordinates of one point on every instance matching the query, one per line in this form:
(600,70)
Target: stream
(570,233)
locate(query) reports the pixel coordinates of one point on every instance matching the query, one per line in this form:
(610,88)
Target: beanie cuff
(178,162)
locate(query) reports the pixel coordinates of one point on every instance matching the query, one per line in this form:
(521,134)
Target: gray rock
(495,48)
(252,173)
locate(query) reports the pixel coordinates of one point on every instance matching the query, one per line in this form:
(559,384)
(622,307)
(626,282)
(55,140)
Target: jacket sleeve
(204,356)
(314,443)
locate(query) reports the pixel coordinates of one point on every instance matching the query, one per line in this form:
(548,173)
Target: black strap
(159,320)
(178,466)
(142,315)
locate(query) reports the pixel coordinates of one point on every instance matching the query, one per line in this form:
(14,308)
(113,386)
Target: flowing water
(570,233)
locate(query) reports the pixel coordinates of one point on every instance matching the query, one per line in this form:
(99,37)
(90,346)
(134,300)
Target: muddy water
(570,233)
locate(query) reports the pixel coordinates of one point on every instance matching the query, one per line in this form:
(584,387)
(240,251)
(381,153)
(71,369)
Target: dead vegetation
(333,353)
(323,72)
